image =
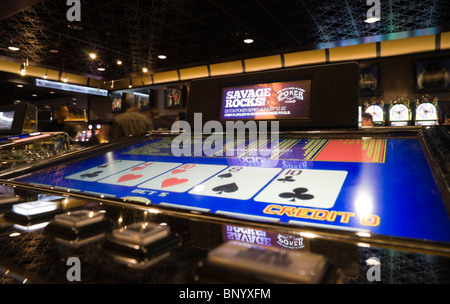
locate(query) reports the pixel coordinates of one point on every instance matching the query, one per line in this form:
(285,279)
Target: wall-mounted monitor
(143,99)
(325,96)
(12,119)
(116,104)
(174,97)
(266,101)
(432,75)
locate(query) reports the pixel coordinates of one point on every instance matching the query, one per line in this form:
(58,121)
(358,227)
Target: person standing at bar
(131,122)
(58,123)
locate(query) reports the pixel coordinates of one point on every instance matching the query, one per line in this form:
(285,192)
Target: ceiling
(193,32)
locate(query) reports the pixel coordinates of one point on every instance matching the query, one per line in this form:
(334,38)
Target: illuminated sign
(70,87)
(281,100)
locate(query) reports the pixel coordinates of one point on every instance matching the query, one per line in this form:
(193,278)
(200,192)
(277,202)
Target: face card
(102,171)
(236,182)
(182,178)
(304,187)
(139,174)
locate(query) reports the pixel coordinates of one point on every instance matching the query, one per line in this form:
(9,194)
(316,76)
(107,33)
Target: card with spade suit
(104,170)
(236,182)
(139,174)
(182,178)
(304,187)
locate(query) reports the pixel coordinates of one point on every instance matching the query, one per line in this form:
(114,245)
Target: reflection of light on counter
(151,210)
(308,235)
(365,245)
(32,208)
(364,204)
(32,227)
(363,234)
(198,188)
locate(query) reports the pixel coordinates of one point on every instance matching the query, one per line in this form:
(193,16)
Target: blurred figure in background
(367,120)
(158,122)
(58,125)
(131,122)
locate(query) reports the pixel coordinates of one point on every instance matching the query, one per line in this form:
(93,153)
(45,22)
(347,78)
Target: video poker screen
(379,186)
(267,101)
(6,120)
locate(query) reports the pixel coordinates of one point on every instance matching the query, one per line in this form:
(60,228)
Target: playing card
(104,170)
(182,178)
(139,174)
(236,182)
(304,187)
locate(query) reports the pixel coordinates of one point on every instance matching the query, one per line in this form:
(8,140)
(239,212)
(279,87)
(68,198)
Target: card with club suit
(304,187)
(104,170)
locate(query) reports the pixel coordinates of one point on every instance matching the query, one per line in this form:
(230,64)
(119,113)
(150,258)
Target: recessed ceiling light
(372,20)
(248,40)
(34,95)
(119,62)
(13,48)
(101,69)
(162,56)
(145,70)
(51,92)
(92,55)
(20,85)
(54,51)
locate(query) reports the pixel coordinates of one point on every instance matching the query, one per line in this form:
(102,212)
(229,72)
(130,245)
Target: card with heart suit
(182,178)
(236,182)
(139,174)
(104,170)
(304,187)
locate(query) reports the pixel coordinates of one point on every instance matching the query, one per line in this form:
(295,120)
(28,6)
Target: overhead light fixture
(45,76)
(20,85)
(162,56)
(145,70)
(23,71)
(13,48)
(92,55)
(248,40)
(65,78)
(54,51)
(101,68)
(119,62)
